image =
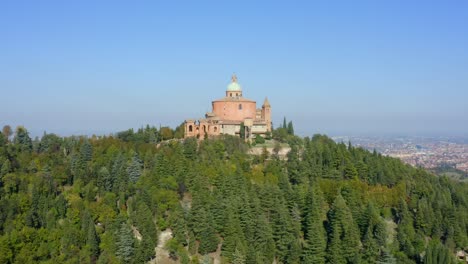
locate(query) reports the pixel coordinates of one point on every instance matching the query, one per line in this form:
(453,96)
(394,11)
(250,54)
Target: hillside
(107,199)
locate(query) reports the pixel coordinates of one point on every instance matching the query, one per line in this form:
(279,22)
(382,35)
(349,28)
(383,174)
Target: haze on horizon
(353,68)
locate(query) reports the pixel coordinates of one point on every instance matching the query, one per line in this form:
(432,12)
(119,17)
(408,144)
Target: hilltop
(108,200)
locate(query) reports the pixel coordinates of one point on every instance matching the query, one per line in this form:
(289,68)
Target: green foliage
(315,236)
(22,139)
(259,139)
(242,130)
(125,243)
(290,128)
(437,253)
(343,245)
(106,199)
(134,169)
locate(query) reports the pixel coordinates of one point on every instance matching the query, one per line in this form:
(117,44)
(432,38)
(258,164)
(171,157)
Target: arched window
(190,128)
(215,129)
(240,106)
(237,94)
(230,94)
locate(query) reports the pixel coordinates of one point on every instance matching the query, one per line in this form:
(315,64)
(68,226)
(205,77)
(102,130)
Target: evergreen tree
(290,128)
(125,243)
(106,180)
(233,236)
(315,237)
(22,139)
(134,169)
(343,246)
(93,241)
(5,168)
(207,236)
(242,130)
(86,151)
(386,258)
(238,257)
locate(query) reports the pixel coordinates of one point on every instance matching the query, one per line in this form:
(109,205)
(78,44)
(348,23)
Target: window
(215,129)
(240,106)
(237,94)
(190,128)
(230,94)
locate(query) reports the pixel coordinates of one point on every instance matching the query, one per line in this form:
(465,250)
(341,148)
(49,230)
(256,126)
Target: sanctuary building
(231,113)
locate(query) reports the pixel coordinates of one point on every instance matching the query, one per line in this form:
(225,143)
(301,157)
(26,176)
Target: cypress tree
(290,128)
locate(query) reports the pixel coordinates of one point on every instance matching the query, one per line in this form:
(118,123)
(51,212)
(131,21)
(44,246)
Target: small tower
(266,113)
(234,89)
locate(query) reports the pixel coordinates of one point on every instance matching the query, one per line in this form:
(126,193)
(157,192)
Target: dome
(234,86)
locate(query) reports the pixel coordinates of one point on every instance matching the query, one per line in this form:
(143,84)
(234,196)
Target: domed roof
(234,86)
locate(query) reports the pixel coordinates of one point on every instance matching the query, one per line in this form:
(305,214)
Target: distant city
(432,153)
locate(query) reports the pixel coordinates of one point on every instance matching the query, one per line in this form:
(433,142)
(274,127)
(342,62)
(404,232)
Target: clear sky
(335,67)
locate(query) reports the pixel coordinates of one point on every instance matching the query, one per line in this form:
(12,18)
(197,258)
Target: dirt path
(162,256)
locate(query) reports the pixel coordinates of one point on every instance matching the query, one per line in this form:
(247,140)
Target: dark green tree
(22,139)
(315,235)
(242,130)
(290,128)
(92,241)
(343,245)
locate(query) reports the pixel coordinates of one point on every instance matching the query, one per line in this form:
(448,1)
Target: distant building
(229,113)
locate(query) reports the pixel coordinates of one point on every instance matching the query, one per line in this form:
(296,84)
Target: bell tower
(266,113)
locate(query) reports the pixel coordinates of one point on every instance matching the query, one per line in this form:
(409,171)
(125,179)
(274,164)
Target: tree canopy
(106,200)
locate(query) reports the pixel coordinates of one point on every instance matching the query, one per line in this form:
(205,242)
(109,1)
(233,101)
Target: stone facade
(229,113)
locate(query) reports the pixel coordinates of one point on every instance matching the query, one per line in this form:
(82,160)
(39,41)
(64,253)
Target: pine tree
(134,169)
(179,226)
(238,257)
(315,237)
(125,243)
(233,236)
(22,139)
(386,258)
(5,168)
(344,242)
(93,241)
(86,151)
(208,239)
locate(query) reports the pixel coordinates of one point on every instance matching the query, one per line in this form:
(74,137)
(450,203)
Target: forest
(106,199)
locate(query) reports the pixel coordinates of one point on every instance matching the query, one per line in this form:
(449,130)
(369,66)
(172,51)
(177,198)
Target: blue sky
(335,67)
